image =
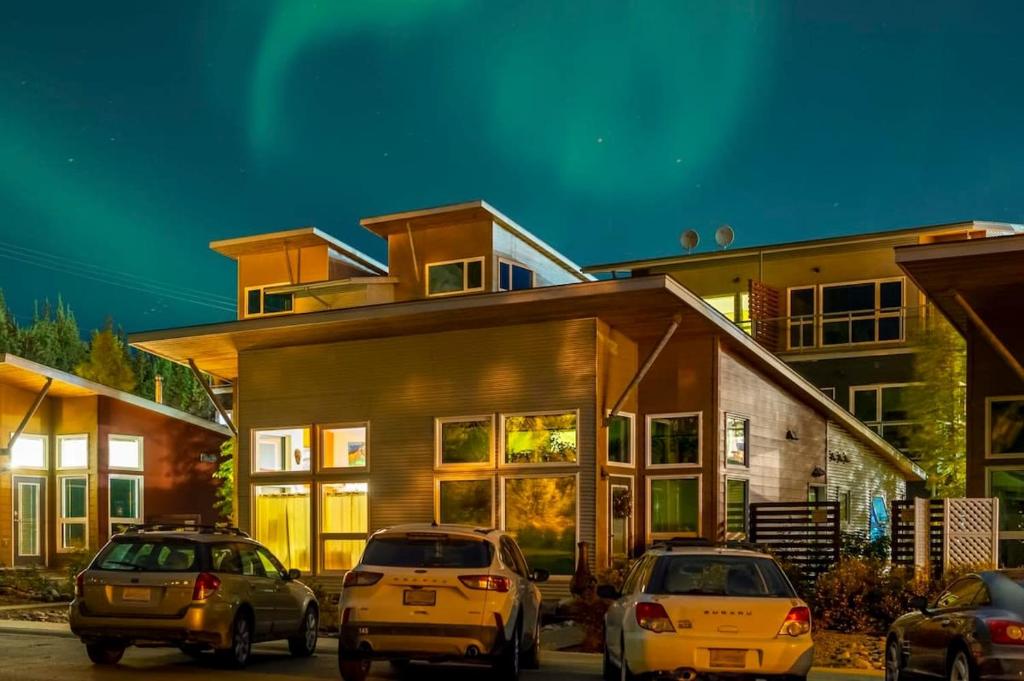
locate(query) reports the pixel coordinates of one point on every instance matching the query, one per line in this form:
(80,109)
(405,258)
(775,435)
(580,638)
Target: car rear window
(713,575)
(428,550)
(141,554)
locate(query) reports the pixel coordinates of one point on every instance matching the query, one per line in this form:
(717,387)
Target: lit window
(513,277)
(125,501)
(258,302)
(281,449)
(466,502)
(464,441)
(344,447)
(540,438)
(674,439)
(737,440)
(344,524)
(620,439)
(540,513)
(736,495)
(1006,426)
(674,505)
(457,276)
(282,522)
(74,512)
(124,451)
(29,451)
(734,306)
(72,451)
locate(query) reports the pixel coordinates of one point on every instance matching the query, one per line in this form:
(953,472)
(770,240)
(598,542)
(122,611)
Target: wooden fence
(802,533)
(903,533)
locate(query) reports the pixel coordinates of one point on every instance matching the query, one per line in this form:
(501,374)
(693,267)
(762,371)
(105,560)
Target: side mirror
(609,592)
(293,574)
(919,603)
(539,575)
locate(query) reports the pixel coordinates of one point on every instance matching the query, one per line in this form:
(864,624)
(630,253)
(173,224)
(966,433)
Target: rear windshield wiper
(133,566)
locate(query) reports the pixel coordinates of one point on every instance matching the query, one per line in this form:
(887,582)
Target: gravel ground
(857,651)
(50,614)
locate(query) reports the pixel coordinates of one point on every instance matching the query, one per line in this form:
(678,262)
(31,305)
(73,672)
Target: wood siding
(862,472)
(294,266)
(438,243)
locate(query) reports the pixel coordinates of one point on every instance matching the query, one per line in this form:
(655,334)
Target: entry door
(29,520)
(620,520)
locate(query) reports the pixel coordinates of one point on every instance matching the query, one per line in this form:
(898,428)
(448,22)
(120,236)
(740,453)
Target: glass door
(29,502)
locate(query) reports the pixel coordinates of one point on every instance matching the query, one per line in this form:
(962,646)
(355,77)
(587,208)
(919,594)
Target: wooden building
(82,458)
(979,286)
(495,384)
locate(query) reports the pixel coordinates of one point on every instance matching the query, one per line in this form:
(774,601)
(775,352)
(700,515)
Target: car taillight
(797,622)
(206,586)
(486,582)
(357,578)
(1006,631)
(80,585)
(652,617)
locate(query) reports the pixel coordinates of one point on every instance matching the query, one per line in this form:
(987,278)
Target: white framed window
(737,505)
(541,512)
(868,311)
(125,452)
(344,524)
(540,438)
(514,277)
(830,393)
(883,408)
(737,440)
(1004,427)
(282,521)
(73,451)
(124,500)
(620,435)
(259,303)
(73,530)
(281,450)
(30,452)
(674,440)
(451,277)
(1006,483)
(464,500)
(462,442)
(801,320)
(817,492)
(674,507)
(343,446)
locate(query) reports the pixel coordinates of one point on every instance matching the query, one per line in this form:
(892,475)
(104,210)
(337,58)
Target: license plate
(135,593)
(734,659)
(419,597)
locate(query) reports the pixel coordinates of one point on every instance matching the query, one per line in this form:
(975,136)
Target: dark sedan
(974,630)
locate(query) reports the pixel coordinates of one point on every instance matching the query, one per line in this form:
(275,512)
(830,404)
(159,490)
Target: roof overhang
(31,376)
(640,307)
(294,238)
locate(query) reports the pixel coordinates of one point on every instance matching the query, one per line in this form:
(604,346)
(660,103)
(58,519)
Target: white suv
(687,610)
(440,593)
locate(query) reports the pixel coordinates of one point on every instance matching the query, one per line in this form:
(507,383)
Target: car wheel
(893,660)
(104,652)
(352,668)
(241,642)
(304,645)
(531,656)
(507,666)
(961,666)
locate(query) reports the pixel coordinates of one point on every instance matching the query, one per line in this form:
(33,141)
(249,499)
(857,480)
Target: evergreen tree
(108,362)
(10,340)
(70,349)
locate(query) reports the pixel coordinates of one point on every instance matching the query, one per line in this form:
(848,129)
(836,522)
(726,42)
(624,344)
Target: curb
(35,628)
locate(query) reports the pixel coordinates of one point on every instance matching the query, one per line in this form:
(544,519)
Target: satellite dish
(724,236)
(689,239)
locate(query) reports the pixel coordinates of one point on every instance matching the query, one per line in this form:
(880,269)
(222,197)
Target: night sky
(132,134)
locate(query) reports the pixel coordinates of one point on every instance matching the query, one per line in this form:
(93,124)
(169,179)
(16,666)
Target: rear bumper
(670,654)
(1003,663)
(209,624)
(421,641)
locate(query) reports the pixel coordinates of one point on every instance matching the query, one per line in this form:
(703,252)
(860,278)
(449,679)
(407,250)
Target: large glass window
(342,446)
(620,439)
(674,507)
(464,441)
(72,451)
(282,522)
(125,500)
(735,307)
(540,512)
(74,512)
(802,317)
(258,302)
(466,502)
(280,449)
(124,451)
(736,500)
(866,312)
(541,438)
(29,451)
(1006,426)
(513,277)
(884,409)
(737,440)
(344,524)
(1007,485)
(457,276)
(673,439)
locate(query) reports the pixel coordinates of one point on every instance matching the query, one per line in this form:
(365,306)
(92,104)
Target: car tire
(530,658)
(104,652)
(304,644)
(961,666)
(352,668)
(237,656)
(893,660)
(508,664)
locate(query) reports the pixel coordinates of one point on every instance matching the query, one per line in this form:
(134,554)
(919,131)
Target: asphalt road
(33,657)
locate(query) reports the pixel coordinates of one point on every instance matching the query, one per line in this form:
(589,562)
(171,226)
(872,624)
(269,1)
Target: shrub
(860,545)
(844,596)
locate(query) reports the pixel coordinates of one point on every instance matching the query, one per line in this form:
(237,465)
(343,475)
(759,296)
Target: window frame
(878,424)
(740,305)
(988,428)
(649,533)
(321,466)
(140,501)
(46,452)
(648,445)
(818,486)
(804,320)
(465,276)
(313,455)
(60,448)
(262,288)
(741,536)
(438,480)
(439,465)
(829,392)
(63,519)
(133,438)
(513,263)
(312,488)
(503,526)
(877,313)
(631,464)
(502,464)
(322,537)
(1001,535)
(746,441)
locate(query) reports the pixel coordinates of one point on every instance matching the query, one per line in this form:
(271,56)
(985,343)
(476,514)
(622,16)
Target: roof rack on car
(185,527)
(704,542)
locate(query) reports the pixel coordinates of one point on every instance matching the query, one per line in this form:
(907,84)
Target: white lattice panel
(971,533)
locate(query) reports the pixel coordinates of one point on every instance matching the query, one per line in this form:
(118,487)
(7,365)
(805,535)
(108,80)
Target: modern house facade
(979,286)
(840,310)
(480,377)
(82,459)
